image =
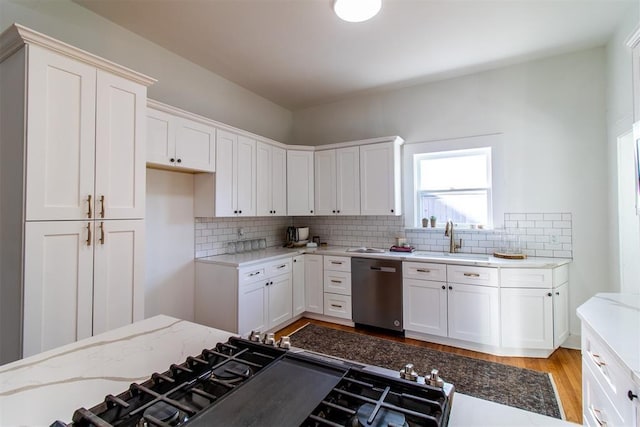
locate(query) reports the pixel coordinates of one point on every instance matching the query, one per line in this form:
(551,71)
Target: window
(454,185)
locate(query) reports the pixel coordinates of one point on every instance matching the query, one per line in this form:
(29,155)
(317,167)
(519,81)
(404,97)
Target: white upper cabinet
(337,181)
(177,139)
(271,180)
(85,142)
(231,191)
(380,179)
(300,183)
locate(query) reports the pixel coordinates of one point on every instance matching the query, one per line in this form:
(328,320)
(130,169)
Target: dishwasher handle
(383,269)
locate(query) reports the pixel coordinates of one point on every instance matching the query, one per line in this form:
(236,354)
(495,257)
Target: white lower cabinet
(337,305)
(606,385)
(257,297)
(473,313)
(313,283)
(298,284)
(527,318)
(81,278)
(425,306)
(337,287)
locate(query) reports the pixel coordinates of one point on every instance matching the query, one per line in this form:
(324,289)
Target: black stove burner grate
(361,398)
(171,398)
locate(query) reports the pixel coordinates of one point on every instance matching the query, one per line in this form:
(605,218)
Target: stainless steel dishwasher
(376,292)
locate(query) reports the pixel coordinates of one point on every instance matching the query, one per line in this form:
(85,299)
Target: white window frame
(494,141)
(485,151)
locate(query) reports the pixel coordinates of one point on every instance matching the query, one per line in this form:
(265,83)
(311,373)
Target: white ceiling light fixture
(356,10)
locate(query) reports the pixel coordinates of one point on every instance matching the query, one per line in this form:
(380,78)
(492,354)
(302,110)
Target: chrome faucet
(448,231)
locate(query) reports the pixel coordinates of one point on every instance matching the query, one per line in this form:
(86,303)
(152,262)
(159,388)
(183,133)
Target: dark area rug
(509,385)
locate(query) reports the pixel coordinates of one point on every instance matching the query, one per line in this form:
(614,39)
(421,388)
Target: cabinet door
(195,146)
(118,278)
(298,285)
(280,300)
(120,147)
(245,177)
(473,313)
(325,182)
(279,181)
(348,181)
(225,170)
(526,318)
(560,314)
(161,137)
(61,107)
(425,306)
(58,284)
(253,308)
(264,185)
(300,183)
(379,180)
(313,283)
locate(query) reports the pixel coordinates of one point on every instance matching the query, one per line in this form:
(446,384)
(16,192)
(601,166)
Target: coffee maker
(297,236)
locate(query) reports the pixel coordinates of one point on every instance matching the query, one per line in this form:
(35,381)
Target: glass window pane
(457,172)
(468,207)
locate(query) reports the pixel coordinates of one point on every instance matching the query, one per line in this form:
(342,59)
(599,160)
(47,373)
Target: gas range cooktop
(258,382)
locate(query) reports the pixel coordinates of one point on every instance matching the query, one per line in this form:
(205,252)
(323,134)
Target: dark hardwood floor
(565,365)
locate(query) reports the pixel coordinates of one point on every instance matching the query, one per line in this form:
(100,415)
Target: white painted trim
(395,139)
(634,38)
(17,35)
(573,342)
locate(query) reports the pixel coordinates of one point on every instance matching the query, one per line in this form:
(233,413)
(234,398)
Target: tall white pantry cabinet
(72,182)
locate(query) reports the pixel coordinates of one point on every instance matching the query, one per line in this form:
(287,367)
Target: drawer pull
(336,281)
(336,306)
(631,395)
(255,273)
(422,270)
(281,266)
(471,275)
(336,262)
(598,361)
(597,414)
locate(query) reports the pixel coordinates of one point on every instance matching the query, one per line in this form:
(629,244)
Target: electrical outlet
(240,231)
(554,238)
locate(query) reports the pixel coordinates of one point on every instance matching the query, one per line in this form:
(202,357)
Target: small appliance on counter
(297,236)
(395,248)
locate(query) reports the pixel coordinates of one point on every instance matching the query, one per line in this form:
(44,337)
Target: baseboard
(573,342)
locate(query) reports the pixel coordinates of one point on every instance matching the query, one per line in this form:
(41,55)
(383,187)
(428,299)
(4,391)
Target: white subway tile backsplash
(553,216)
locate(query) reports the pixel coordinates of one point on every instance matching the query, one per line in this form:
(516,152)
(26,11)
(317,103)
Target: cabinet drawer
(526,277)
(614,379)
(486,276)
(275,268)
(337,305)
(337,263)
(337,282)
(424,271)
(252,274)
(597,409)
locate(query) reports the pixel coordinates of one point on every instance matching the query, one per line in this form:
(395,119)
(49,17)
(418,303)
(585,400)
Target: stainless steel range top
(258,382)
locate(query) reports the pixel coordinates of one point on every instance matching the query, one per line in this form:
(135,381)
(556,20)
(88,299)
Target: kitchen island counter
(50,386)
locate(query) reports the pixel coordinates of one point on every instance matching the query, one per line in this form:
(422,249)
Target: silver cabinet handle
(281,266)
(336,306)
(597,414)
(336,262)
(598,361)
(254,274)
(421,270)
(471,275)
(88,234)
(336,281)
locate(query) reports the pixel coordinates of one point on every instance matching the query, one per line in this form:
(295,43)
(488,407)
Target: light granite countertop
(616,319)
(248,258)
(61,380)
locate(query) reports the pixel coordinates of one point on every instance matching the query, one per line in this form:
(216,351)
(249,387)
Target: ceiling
(298,54)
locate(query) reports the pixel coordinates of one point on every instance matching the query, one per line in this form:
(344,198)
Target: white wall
(619,122)
(180,82)
(170,273)
(552,115)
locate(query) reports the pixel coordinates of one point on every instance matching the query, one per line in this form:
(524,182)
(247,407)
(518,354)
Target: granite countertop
(273,253)
(616,319)
(81,374)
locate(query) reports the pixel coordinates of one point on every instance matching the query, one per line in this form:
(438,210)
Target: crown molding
(634,38)
(14,37)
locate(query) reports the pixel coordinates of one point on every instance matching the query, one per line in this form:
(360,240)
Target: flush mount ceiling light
(356,10)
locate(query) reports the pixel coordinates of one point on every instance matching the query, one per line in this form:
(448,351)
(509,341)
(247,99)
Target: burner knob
(269,339)
(434,379)
(254,336)
(285,342)
(408,373)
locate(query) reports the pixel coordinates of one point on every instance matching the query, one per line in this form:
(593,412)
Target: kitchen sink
(447,255)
